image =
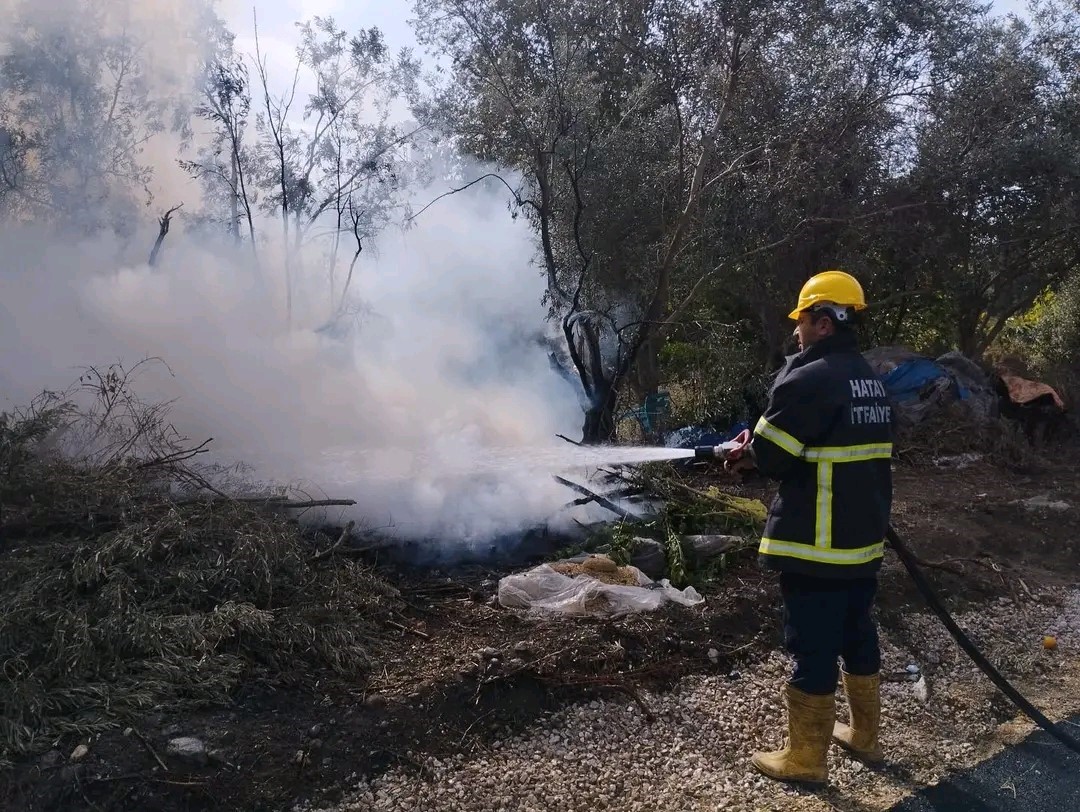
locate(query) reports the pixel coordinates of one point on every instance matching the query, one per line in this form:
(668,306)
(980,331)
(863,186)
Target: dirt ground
(439,691)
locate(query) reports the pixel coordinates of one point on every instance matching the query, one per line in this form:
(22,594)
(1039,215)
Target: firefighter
(826,436)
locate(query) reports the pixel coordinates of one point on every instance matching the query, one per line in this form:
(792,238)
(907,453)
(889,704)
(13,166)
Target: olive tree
(611,114)
(998,166)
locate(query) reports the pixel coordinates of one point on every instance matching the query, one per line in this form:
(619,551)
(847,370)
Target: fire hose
(910,562)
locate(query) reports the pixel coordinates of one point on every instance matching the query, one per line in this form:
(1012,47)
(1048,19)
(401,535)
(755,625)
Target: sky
(276,18)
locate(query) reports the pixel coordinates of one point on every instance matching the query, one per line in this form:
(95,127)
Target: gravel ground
(605,755)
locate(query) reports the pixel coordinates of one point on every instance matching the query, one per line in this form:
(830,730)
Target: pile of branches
(664,502)
(694,506)
(952,436)
(123,588)
(680,502)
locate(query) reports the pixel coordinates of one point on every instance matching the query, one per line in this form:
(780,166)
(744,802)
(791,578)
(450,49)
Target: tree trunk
(647,365)
(288,265)
(967,336)
(599,424)
(234,203)
(898,321)
(243,194)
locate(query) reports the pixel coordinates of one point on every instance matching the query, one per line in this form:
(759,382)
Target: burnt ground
(270,750)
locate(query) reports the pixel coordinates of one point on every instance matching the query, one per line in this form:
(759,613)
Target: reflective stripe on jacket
(826,435)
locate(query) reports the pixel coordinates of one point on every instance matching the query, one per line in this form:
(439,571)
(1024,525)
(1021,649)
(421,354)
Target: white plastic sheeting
(543,589)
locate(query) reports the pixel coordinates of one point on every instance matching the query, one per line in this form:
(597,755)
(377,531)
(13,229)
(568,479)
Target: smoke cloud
(435,407)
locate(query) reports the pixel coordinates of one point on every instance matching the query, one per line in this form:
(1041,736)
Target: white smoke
(426,409)
(435,408)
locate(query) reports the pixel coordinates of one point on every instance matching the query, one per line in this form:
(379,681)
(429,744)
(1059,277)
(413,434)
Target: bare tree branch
(163,228)
(354,215)
(276,114)
(517,198)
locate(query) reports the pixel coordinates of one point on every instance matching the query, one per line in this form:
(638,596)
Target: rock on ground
(188,750)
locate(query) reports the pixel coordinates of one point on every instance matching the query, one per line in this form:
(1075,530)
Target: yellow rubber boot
(860,738)
(810,724)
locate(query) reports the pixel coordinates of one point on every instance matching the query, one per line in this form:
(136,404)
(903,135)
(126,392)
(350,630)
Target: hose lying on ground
(908,559)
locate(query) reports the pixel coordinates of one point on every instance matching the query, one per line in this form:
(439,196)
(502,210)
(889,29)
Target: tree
(224,164)
(337,167)
(998,163)
(838,110)
(674,153)
(611,114)
(76,108)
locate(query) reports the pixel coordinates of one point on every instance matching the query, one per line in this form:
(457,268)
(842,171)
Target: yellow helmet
(833,287)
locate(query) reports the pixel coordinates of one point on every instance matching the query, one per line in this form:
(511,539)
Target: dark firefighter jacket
(826,435)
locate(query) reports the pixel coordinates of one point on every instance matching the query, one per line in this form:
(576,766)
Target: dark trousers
(826,619)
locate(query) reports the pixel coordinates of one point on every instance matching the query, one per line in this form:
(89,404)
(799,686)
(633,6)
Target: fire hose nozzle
(713,452)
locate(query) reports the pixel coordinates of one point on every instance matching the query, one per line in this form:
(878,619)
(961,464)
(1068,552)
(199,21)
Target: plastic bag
(542,589)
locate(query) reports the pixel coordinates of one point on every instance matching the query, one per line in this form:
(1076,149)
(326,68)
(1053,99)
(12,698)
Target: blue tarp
(908,379)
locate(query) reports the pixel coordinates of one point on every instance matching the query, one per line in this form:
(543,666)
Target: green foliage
(676,561)
(928,151)
(683,511)
(711,378)
(115,599)
(80,95)
(619,540)
(994,186)
(688,511)
(622,542)
(1047,335)
(22,435)
(713,571)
